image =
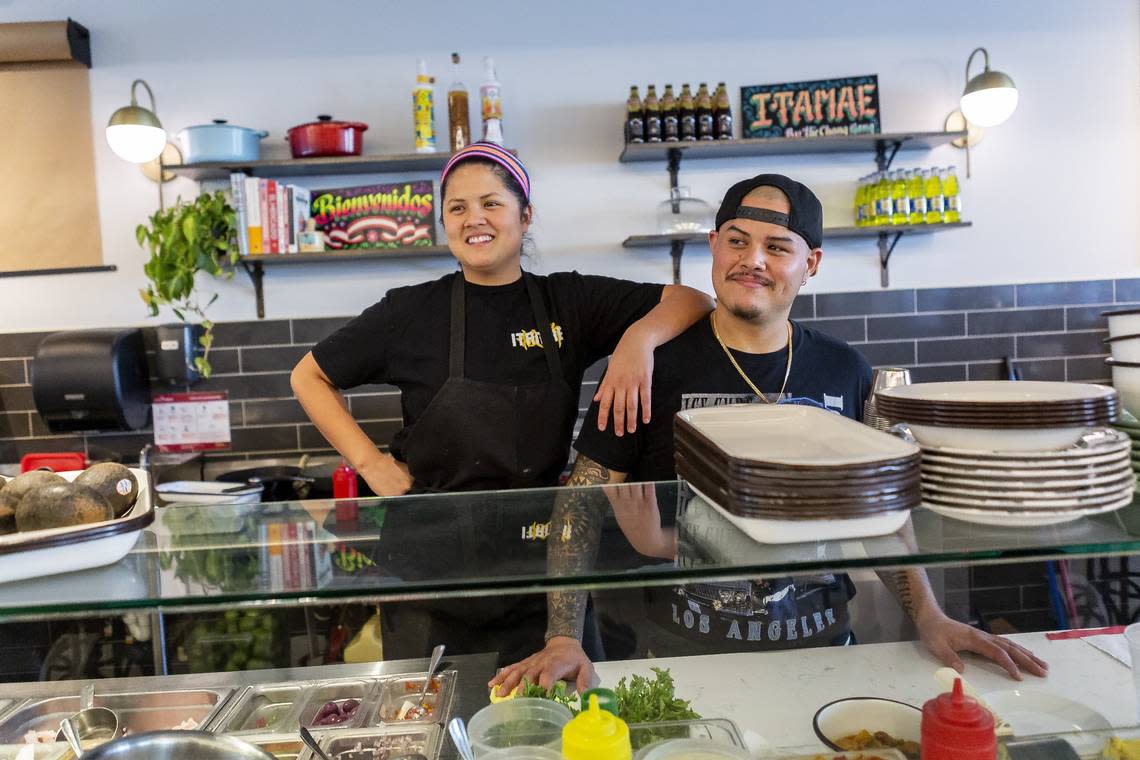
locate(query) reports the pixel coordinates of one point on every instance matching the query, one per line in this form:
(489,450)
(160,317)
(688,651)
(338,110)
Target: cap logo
(761,215)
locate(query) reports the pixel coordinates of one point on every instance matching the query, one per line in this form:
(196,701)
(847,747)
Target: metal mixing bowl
(176,745)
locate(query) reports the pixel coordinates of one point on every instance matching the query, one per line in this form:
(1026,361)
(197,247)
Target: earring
(804,282)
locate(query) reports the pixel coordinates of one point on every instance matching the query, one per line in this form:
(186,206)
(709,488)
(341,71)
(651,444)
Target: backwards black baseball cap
(805,218)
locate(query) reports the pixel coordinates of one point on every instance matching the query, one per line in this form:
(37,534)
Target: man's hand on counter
(562,659)
(945,638)
(386,476)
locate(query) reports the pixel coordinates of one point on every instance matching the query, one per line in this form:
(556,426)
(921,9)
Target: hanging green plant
(188,238)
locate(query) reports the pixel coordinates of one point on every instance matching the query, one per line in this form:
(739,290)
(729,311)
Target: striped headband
(490,152)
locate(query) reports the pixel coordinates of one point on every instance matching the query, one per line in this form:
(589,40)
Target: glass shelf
(481,543)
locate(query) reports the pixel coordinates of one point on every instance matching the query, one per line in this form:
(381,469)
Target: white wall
(1053,197)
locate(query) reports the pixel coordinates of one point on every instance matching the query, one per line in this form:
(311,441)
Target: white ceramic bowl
(1126,380)
(1123,322)
(992,439)
(845,717)
(1124,348)
(208,492)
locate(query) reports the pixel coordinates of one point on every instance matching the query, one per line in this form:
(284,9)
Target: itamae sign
(848,106)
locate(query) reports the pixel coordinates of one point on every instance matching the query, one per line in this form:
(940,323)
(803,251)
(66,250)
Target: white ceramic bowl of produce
(520,722)
(692,749)
(1124,348)
(1126,380)
(847,717)
(1123,322)
(999,439)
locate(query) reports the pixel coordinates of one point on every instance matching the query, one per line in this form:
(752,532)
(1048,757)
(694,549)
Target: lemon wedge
(495,698)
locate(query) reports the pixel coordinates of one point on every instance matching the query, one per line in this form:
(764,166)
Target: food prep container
(220,142)
(847,717)
(721,731)
(519,722)
(407,688)
(138,712)
(342,694)
(262,709)
(326,137)
(281,749)
(693,749)
(372,745)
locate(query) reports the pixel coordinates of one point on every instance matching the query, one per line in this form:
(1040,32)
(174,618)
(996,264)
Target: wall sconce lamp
(988,100)
(135,134)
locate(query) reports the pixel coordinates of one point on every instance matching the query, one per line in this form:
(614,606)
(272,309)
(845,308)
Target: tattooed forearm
(575,530)
(911,588)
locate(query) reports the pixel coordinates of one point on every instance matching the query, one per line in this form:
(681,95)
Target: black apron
(477,435)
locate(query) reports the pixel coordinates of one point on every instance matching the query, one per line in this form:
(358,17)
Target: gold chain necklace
(731,358)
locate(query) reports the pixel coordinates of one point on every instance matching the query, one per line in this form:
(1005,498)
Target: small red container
(59,461)
(326,137)
(956,727)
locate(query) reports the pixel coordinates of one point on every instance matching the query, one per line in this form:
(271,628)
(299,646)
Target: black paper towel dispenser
(92,380)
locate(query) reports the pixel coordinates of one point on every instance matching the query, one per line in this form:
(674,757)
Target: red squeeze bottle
(344,487)
(956,727)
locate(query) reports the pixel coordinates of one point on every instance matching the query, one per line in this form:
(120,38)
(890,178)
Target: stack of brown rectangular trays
(785,473)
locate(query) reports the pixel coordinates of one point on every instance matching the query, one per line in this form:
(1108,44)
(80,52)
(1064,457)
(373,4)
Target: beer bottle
(722,110)
(706,128)
(670,118)
(634,118)
(688,114)
(652,115)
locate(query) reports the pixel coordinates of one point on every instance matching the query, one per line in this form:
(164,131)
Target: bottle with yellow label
(596,734)
(423,109)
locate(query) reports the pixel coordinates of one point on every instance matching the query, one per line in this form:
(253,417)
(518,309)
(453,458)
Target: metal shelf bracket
(257,276)
(885,251)
(882,160)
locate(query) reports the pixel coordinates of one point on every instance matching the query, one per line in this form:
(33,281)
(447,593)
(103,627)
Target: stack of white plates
(1130,426)
(1030,488)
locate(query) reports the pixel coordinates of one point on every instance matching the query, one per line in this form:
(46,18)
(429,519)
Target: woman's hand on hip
(628,382)
(387,476)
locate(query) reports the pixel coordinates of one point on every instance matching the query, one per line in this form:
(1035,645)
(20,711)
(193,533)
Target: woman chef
(489,361)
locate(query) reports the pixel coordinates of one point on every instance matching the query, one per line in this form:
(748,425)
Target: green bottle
(917,194)
(950,191)
(900,213)
(934,197)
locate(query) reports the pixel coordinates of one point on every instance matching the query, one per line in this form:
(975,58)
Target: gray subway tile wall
(1048,331)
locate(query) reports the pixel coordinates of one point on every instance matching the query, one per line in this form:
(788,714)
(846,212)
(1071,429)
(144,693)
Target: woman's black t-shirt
(403,339)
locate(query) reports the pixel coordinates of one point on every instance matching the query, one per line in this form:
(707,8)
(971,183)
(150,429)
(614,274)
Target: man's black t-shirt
(403,339)
(692,371)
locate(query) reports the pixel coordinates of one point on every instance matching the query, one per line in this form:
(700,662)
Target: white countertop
(772,696)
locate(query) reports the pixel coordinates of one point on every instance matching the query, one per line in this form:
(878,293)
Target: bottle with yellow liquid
(423,109)
(860,194)
(900,205)
(868,200)
(917,194)
(934,198)
(884,208)
(953,212)
(595,734)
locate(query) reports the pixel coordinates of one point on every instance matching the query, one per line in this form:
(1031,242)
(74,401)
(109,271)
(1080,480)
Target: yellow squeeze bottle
(596,735)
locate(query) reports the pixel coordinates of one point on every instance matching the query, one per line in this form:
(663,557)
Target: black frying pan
(282,483)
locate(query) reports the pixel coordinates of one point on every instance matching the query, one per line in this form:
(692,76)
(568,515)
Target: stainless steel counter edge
(470,693)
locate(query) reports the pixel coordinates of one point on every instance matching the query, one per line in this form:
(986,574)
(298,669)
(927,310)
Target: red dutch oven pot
(326,137)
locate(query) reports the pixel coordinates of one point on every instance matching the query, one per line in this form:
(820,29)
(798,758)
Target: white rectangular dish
(794,436)
(32,554)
